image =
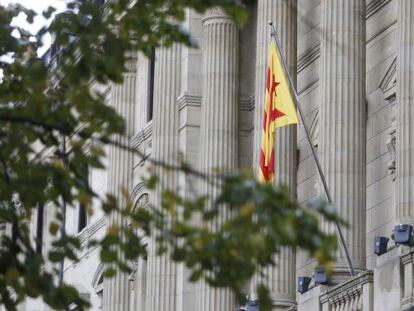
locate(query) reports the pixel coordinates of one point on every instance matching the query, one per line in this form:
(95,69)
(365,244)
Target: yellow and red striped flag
(279,111)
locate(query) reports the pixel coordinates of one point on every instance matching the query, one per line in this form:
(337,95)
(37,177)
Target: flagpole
(315,156)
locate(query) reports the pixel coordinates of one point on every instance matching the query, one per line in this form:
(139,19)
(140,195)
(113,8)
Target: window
(151,77)
(82,210)
(82,217)
(39,227)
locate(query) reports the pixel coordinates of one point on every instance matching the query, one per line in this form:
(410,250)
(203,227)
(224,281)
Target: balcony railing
(353,295)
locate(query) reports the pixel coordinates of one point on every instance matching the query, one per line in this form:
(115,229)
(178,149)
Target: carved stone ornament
(391,146)
(131,62)
(132,275)
(388,88)
(215,12)
(142,201)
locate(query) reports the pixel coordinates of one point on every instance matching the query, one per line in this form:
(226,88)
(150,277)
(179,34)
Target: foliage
(263,219)
(41,103)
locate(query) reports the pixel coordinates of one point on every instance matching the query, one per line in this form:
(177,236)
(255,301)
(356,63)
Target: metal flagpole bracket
(273,29)
(314,154)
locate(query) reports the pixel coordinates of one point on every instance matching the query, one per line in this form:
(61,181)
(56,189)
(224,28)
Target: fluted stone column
(342,120)
(116,289)
(142,85)
(405,113)
(280,279)
(218,132)
(161,278)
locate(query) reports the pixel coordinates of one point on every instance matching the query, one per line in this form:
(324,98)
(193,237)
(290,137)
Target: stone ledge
(389,81)
(247,103)
(374,6)
(349,288)
(392,253)
(308,57)
(186,100)
(141,136)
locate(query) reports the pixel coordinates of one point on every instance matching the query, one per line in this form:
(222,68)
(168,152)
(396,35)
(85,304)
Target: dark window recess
(39,227)
(16,205)
(151,86)
(82,214)
(100,281)
(82,217)
(14,232)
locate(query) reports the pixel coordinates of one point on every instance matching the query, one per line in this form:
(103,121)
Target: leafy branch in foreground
(261,219)
(40,102)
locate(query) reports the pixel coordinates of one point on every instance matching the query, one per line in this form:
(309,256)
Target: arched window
(140,196)
(142,201)
(97,284)
(138,277)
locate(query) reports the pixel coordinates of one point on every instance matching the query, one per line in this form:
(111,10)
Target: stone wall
(381,113)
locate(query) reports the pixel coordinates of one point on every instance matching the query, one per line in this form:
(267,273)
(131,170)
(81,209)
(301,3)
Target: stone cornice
(308,88)
(217,13)
(141,136)
(84,236)
(314,128)
(186,100)
(350,288)
(107,93)
(389,81)
(247,104)
(308,57)
(90,230)
(374,6)
(408,257)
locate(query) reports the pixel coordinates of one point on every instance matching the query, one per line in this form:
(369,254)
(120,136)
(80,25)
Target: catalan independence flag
(279,111)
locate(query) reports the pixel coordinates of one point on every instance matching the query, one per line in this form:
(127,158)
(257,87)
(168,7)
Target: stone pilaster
(116,289)
(280,279)
(161,280)
(405,113)
(343,120)
(218,132)
(189,104)
(143,77)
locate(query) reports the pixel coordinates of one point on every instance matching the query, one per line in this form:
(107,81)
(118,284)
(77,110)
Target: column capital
(215,14)
(131,61)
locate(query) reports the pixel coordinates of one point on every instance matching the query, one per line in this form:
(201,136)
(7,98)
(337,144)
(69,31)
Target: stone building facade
(353,62)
